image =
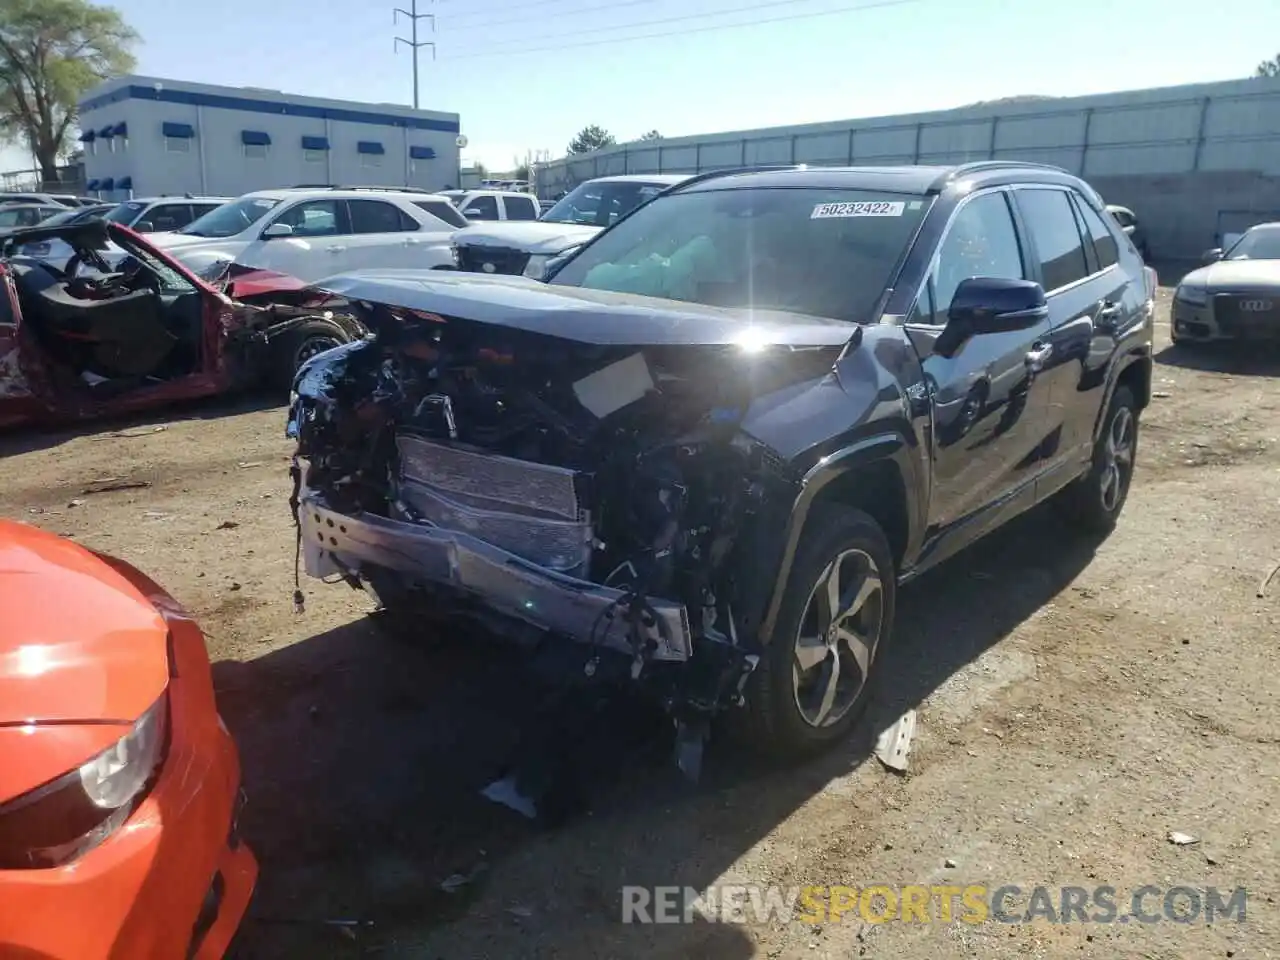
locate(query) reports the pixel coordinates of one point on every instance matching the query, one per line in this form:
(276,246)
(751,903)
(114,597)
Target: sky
(526,75)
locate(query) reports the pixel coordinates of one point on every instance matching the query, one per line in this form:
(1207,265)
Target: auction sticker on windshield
(860,208)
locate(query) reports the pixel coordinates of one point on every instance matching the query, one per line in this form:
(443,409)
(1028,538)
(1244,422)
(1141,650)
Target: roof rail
(730,171)
(976,165)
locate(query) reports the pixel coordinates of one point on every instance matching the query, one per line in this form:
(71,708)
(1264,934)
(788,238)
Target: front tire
(1093,503)
(295,347)
(815,679)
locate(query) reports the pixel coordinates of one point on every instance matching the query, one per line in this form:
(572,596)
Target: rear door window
(481,208)
(377,216)
(520,208)
(1053,227)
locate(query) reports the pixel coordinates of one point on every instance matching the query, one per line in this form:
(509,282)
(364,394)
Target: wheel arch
(876,475)
(1134,371)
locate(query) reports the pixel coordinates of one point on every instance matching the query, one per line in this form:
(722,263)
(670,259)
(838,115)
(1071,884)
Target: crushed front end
(600,494)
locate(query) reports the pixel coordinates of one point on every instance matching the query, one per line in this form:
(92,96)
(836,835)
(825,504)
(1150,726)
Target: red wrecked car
(120,326)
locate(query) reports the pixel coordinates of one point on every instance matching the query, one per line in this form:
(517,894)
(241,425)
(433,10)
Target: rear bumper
(336,543)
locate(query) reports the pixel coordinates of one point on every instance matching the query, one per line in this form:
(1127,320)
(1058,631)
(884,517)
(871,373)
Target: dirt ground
(1075,706)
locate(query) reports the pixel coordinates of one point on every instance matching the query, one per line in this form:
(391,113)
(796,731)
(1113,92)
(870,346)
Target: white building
(148,136)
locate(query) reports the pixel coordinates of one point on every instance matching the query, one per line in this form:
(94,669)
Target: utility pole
(414,43)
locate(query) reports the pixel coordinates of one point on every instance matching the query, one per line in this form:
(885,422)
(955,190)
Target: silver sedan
(1236,295)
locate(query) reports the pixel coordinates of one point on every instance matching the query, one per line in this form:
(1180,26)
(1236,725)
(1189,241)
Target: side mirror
(995,305)
(1212,256)
(144,226)
(473,213)
(277,230)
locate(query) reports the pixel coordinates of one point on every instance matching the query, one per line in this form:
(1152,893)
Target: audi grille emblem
(1256,306)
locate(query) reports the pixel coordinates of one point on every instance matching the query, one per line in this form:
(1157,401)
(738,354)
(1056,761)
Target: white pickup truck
(494,204)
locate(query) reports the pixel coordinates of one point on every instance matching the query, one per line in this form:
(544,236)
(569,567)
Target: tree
(1269,68)
(51,52)
(652,135)
(481,170)
(521,170)
(590,138)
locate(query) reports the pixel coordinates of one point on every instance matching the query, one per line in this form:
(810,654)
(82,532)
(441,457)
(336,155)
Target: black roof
(908,179)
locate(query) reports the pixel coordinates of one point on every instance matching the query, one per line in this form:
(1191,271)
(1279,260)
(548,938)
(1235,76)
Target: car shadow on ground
(1243,359)
(31,439)
(364,755)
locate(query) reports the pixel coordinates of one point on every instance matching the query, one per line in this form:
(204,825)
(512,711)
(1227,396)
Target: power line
(503,21)
(414,44)
(684,32)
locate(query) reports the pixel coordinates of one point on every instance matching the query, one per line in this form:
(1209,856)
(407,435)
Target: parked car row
(689,433)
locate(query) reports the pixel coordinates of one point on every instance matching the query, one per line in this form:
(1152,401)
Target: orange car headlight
(63,819)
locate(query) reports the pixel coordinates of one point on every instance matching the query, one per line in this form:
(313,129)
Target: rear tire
(1093,502)
(815,678)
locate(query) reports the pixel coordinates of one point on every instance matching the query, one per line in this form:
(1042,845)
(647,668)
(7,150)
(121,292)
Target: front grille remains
(498,260)
(529,509)
(1248,315)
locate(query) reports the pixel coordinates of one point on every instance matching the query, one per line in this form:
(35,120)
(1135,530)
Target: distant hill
(1021,98)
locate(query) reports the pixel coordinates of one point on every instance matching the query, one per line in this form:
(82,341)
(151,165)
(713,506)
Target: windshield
(1258,243)
(599,203)
(230,218)
(125,213)
(821,252)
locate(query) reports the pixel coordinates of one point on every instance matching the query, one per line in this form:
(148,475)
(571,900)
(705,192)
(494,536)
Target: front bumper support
(335,543)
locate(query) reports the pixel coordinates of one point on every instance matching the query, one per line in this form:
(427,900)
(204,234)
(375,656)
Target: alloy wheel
(312,346)
(1117,465)
(837,639)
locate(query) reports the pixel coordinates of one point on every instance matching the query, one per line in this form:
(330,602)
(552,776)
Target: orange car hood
(79,641)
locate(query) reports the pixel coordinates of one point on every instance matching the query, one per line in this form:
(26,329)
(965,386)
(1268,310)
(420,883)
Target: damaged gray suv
(703,452)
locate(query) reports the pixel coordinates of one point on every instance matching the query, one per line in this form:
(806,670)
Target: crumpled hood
(1236,273)
(587,316)
(532,236)
(80,642)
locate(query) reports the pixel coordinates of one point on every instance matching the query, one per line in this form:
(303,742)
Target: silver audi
(1236,295)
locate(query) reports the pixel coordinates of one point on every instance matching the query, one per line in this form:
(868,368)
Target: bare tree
(51,52)
(1269,68)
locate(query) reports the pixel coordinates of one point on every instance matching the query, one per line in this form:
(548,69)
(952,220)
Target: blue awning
(124,183)
(369,147)
(108,131)
(183,131)
(107,184)
(91,185)
(88,136)
(315,143)
(257,138)
(422,153)
(122,129)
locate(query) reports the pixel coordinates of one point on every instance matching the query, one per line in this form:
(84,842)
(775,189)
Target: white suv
(311,233)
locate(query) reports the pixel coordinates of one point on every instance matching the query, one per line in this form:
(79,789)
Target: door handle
(336,248)
(1038,355)
(1110,310)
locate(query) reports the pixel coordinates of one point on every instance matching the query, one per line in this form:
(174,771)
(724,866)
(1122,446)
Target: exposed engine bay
(603,494)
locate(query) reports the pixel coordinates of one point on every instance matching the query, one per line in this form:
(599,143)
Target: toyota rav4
(707,450)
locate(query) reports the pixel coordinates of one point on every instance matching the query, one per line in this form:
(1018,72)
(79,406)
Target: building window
(256,151)
(370,159)
(313,156)
(177,145)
